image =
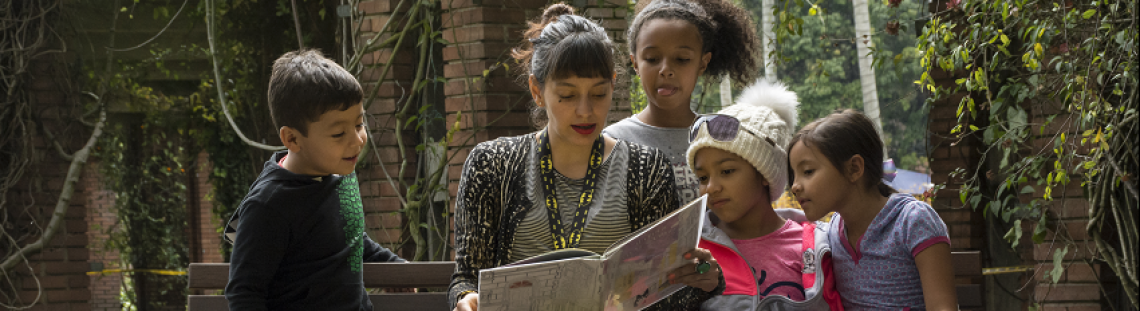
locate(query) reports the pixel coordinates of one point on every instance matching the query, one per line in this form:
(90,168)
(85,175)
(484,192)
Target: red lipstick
(585,128)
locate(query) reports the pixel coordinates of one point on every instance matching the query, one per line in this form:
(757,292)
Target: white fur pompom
(775,96)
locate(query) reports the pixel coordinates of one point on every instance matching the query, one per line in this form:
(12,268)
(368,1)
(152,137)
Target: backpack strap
(830,293)
(823,263)
(811,263)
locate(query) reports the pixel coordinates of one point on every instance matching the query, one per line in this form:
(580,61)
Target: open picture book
(632,274)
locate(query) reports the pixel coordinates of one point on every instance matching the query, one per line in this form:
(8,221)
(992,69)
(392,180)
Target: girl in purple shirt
(891,251)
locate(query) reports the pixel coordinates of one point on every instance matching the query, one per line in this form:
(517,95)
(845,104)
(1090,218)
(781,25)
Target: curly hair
(562,45)
(726,31)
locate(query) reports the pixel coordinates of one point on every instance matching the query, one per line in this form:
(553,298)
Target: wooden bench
(437,274)
(967,273)
(430,274)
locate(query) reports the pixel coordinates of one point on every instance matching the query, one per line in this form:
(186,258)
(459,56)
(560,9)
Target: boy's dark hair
(726,31)
(562,45)
(840,136)
(304,85)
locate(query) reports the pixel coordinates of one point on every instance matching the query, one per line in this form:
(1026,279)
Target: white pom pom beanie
(769,110)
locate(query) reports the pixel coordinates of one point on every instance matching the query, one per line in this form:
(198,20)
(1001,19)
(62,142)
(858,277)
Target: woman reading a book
(565,186)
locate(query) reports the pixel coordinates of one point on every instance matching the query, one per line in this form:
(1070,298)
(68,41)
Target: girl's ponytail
(885,190)
(734,44)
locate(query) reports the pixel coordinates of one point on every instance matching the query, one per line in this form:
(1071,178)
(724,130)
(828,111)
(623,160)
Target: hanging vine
(1073,65)
(425,214)
(26,226)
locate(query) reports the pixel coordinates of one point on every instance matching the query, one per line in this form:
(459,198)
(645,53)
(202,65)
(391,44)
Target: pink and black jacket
(741,291)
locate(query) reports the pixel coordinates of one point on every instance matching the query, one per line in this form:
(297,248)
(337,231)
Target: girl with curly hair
(671,44)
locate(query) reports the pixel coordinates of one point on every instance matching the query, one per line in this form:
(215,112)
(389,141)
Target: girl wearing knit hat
(892,252)
(770,258)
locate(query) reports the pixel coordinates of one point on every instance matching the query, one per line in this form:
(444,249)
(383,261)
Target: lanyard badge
(563,237)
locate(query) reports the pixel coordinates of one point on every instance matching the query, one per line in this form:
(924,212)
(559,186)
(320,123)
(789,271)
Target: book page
(556,255)
(567,284)
(636,269)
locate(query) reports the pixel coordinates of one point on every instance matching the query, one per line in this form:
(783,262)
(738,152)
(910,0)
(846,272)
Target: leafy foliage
(150,158)
(817,59)
(143,162)
(1052,92)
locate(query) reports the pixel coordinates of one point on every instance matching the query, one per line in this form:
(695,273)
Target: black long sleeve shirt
(299,244)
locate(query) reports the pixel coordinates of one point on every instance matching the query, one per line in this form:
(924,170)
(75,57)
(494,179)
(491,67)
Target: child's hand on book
(702,271)
(470,302)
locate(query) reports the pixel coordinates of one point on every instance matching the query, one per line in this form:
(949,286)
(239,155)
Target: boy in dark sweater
(298,236)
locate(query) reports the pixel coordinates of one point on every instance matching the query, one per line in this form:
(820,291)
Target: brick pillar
(1078,288)
(61,265)
(381,203)
(948,152)
(101,219)
(480,35)
(208,238)
(966,224)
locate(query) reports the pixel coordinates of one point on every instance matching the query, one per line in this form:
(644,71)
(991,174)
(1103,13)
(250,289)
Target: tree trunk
(78,161)
(725,92)
(767,39)
(863,44)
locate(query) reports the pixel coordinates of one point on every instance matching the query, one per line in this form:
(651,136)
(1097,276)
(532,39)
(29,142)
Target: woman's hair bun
(556,10)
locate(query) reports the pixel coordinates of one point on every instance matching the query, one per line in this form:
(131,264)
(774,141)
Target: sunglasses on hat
(721,127)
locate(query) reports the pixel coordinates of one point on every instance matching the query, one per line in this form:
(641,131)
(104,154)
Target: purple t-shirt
(881,274)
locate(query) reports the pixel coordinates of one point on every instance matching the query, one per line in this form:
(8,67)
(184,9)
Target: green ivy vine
(1052,94)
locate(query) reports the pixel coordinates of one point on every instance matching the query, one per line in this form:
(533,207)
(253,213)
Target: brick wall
(205,240)
(967,231)
(380,198)
(482,99)
(1078,287)
(965,224)
(61,265)
(105,289)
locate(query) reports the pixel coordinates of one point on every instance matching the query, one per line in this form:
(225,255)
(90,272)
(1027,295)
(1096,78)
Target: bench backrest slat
(386,302)
(208,275)
(376,275)
(412,274)
(966,264)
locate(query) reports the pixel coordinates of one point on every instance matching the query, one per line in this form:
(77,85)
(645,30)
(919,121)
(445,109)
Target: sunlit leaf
(1087,15)
(1058,263)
